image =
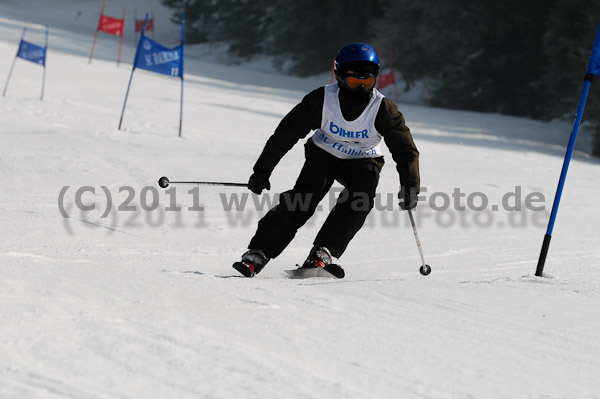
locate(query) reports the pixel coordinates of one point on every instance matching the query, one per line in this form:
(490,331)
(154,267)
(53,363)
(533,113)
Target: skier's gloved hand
(258,182)
(408,196)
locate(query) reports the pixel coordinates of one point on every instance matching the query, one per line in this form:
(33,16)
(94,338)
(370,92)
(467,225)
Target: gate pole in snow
(121,39)
(96,35)
(593,69)
(13,64)
(44,73)
(182,70)
(126,95)
(132,71)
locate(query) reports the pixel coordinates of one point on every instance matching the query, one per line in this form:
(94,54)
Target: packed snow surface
(139,300)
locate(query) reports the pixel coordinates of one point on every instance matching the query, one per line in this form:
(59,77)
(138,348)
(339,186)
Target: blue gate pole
(126,95)
(45,58)
(13,63)
(593,69)
(563,176)
(182,70)
(132,71)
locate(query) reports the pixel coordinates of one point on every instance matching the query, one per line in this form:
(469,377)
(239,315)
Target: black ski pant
(359,178)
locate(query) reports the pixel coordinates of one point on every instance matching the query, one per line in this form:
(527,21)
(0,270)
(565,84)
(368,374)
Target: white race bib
(348,139)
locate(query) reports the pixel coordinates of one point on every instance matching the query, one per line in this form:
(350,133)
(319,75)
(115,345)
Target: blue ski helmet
(356,52)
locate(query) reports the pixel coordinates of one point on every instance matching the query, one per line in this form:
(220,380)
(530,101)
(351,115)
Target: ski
(329,271)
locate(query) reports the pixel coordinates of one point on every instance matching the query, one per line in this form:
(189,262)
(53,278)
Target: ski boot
(318,264)
(318,257)
(252,262)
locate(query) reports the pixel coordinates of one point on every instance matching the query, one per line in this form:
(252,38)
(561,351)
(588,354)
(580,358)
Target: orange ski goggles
(354,81)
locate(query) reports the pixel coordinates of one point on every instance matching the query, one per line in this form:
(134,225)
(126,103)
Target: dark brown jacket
(306,116)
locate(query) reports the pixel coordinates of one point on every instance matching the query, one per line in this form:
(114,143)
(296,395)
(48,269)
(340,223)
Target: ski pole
(164,183)
(425,269)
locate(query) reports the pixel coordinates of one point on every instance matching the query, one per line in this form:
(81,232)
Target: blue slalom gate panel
(32,52)
(594,63)
(153,56)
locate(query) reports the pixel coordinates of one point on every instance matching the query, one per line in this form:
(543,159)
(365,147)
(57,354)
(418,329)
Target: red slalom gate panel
(139,25)
(113,26)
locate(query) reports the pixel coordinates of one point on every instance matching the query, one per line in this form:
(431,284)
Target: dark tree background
(517,57)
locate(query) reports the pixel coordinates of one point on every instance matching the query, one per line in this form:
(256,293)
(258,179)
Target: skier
(350,118)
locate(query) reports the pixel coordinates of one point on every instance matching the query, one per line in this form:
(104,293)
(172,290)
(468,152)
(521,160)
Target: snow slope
(144,303)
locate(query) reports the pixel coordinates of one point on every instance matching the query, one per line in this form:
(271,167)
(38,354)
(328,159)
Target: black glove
(408,196)
(258,182)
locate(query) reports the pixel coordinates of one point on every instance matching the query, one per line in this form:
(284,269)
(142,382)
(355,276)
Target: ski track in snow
(146,304)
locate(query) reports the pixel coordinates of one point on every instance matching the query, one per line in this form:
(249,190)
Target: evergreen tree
(200,16)
(518,57)
(303,35)
(570,30)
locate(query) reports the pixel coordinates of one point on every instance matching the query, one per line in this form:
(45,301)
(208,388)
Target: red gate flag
(386,79)
(139,25)
(332,79)
(113,26)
